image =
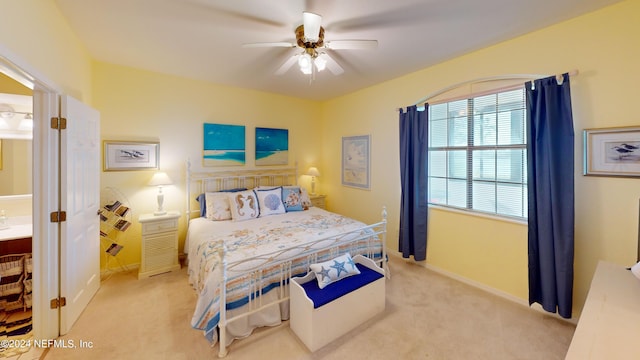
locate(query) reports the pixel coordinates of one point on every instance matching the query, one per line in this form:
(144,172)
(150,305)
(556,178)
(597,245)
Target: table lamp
(160,179)
(313,172)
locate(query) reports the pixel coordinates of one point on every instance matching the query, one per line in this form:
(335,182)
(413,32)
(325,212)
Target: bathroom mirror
(15,168)
(16,133)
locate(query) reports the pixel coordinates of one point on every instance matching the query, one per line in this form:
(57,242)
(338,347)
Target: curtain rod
(487,79)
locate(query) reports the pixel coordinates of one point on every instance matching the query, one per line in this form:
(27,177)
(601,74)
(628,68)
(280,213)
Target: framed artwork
(612,152)
(223,145)
(272,146)
(131,155)
(356,161)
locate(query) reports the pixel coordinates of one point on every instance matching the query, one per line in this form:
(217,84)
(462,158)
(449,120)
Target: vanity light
(6,111)
(26,124)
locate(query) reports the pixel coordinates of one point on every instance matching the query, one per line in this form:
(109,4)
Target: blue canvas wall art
(272,146)
(223,145)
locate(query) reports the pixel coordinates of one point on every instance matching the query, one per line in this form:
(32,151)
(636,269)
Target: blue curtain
(414,131)
(550,166)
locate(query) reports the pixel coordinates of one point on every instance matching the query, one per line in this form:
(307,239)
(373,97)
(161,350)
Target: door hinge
(58,302)
(58,123)
(58,216)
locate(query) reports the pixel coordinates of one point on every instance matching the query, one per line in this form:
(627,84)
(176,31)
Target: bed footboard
(273,271)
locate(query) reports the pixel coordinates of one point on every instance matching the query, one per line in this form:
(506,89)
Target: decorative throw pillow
(244,205)
(306,201)
(217,205)
(270,201)
(202,203)
(292,198)
(333,270)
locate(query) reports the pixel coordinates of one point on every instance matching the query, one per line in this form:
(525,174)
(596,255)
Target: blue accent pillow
(203,204)
(292,198)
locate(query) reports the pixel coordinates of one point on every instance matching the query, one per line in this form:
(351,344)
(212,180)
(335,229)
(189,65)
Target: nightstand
(318,201)
(159,244)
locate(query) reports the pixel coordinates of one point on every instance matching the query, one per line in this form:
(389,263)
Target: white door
(80,198)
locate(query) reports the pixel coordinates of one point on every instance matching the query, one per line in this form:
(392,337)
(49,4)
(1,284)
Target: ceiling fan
(313,57)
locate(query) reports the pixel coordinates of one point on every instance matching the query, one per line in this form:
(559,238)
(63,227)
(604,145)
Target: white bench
(316,327)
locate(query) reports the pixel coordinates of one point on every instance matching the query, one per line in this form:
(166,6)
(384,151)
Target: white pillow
(333,270)
(244,205)
(304,198)
(270,201)
(217,206)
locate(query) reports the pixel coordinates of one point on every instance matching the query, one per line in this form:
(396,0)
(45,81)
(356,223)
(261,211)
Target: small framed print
(612,152)
(131,155)
(356,161)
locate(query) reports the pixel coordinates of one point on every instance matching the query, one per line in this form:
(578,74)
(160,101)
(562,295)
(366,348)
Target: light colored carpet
(428,316)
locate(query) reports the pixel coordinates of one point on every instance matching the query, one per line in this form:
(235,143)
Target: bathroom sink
(19,227)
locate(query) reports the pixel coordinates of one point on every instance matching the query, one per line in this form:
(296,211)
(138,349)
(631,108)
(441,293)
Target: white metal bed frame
(201,182)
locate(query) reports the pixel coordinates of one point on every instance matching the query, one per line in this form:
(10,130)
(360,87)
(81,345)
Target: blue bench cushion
(339,288)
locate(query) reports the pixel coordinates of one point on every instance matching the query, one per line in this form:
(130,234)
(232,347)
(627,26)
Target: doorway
(16,213)
(66,154)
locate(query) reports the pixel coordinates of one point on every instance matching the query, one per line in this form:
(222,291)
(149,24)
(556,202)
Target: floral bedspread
(242,240)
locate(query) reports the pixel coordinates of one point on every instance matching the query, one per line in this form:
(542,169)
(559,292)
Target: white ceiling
(203,38)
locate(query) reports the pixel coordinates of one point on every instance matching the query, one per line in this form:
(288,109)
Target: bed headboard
(210,181)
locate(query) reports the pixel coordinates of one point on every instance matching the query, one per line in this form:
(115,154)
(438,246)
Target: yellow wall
(35,32)
(145,106)
(10,86)
(603,46)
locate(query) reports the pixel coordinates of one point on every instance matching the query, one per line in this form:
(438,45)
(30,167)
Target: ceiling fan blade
(351,44)
(269,44)
(287,65)
(332,65)
(311,24)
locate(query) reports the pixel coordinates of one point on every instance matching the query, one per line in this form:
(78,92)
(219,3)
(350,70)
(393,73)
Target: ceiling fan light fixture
(306,64)
(320,62)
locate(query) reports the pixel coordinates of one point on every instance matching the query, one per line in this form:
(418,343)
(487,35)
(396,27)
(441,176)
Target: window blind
(477,154)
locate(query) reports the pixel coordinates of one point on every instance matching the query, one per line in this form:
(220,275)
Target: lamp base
(160,210)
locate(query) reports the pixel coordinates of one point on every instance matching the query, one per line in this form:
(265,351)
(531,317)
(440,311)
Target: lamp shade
(159,179)
(321,62)
(313,171)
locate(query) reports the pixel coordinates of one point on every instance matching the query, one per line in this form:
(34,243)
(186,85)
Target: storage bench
(339,307)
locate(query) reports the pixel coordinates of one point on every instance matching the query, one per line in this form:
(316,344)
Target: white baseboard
(119,269)
(489,289)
